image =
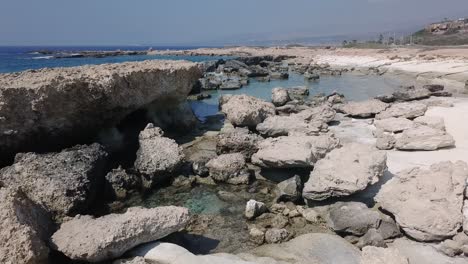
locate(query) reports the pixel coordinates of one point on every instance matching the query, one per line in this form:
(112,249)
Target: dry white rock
(244,110)
(405,110)
(365,108)
(424,138)
(230,168)
(435,122)
(279,96)
(393,124)
(427,204)
(378,255)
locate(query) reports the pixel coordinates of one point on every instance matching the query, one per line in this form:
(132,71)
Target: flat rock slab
(427,204)
(424,138)
(65,183)
(345,171)
(378,255)
(59,105)
(364,109)
(352,218)
(403,110)
(393,124)
(97,239)
(293,151)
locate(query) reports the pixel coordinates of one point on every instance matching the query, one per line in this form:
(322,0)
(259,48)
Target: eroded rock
(403,110)
(230,168)
(247,111)
(364,109)
(424,138)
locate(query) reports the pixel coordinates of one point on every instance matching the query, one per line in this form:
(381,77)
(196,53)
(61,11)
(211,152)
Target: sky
(203,22)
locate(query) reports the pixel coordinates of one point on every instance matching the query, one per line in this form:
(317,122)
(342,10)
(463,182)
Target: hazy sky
(120,22)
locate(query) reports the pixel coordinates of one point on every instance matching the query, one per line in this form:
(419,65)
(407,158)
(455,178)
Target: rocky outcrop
(65,183)
(24,229)
(230,168)
(427,204)
(247,111)
(345,171)
(237,139)
(279,96)
(61,106)
(403,110)
(364,109)
(96,239)
(293,151)
(424,138)
(157,156)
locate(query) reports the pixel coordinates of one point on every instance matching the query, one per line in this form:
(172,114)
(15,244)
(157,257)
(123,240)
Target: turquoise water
(354,87)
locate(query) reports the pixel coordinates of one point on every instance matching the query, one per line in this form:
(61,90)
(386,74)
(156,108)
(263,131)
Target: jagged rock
(254,209)
(431,121)
(403,110)
(427,204)
(97,239)
(298,93)
(293,151)
(157,156)
(345,171)
(51,107)
(65,183)
(238,140)
(378,255)
(336,98)
(411,93)
(424,138)
(419,253)
(279,96)
(25,228)
(230,168)
(393,124)
(385,142)
(364,109)
(119,183)
(276,235)
(352,218)
(294,124)
(323,113)
(243,110)
(279,75)
(290,189)
(257,236)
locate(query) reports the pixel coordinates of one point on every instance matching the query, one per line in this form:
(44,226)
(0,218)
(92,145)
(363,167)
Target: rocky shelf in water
(56,54)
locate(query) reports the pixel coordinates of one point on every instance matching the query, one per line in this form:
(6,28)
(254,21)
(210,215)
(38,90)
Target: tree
(380,41)
(345,42)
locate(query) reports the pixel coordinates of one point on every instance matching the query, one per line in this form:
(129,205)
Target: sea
(353,86)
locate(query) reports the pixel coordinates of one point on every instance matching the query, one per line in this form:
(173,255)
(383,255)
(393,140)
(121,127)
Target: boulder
(293,151)
(379,255)
(352,218)
(364,109)
(65,183)
(420,253)
(290,190)
(157,156)
(345,171)
(118,184)
(298,93)
(393,124)
(58,107)
(311,76)
(257,236)
(97,239)
(276,235)
(25,228)
(254,209)
(279,96)
(403,110)
(411,93)
(237,140)
(435,122)
(323,113)
(385,142)
(294,124)
(371,238)
(427,204)
(230,168)
(243,110)
(424,138)
(231,83)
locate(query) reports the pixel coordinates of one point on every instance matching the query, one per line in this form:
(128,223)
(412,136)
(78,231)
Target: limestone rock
(393,124)
(345,171)
(364,109)
(385,142)
(238,140)
(371,238)
(157,155)
(427,204)
(290,189)
(323,113)
(275,126)
(276,235)
(24,229)
(62,106)
(352,218)
(97,239)
(293,151)
(411,93)
(230,168)
(257,236)
(279,96)
(403,110)
(119,183)
(243,110)
(424,138)
(431,121)
(254,209)
(65,183)
(378,255)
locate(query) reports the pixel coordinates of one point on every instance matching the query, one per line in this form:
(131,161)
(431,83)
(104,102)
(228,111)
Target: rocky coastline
(294,179)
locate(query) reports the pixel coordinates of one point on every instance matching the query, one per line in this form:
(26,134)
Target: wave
(43,58)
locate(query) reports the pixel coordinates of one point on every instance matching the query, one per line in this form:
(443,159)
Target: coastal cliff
(70,105)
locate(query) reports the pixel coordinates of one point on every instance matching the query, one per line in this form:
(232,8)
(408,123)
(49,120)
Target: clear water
(354,87)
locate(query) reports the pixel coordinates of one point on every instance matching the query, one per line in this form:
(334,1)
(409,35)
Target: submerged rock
(119,183)
(25,228)
(230,168)
(364,109)
(97,239)
(65,183)
(52,107)
(424,138)
(427,204)
(293,151)
(345,171)
(243,110)
(157,156)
